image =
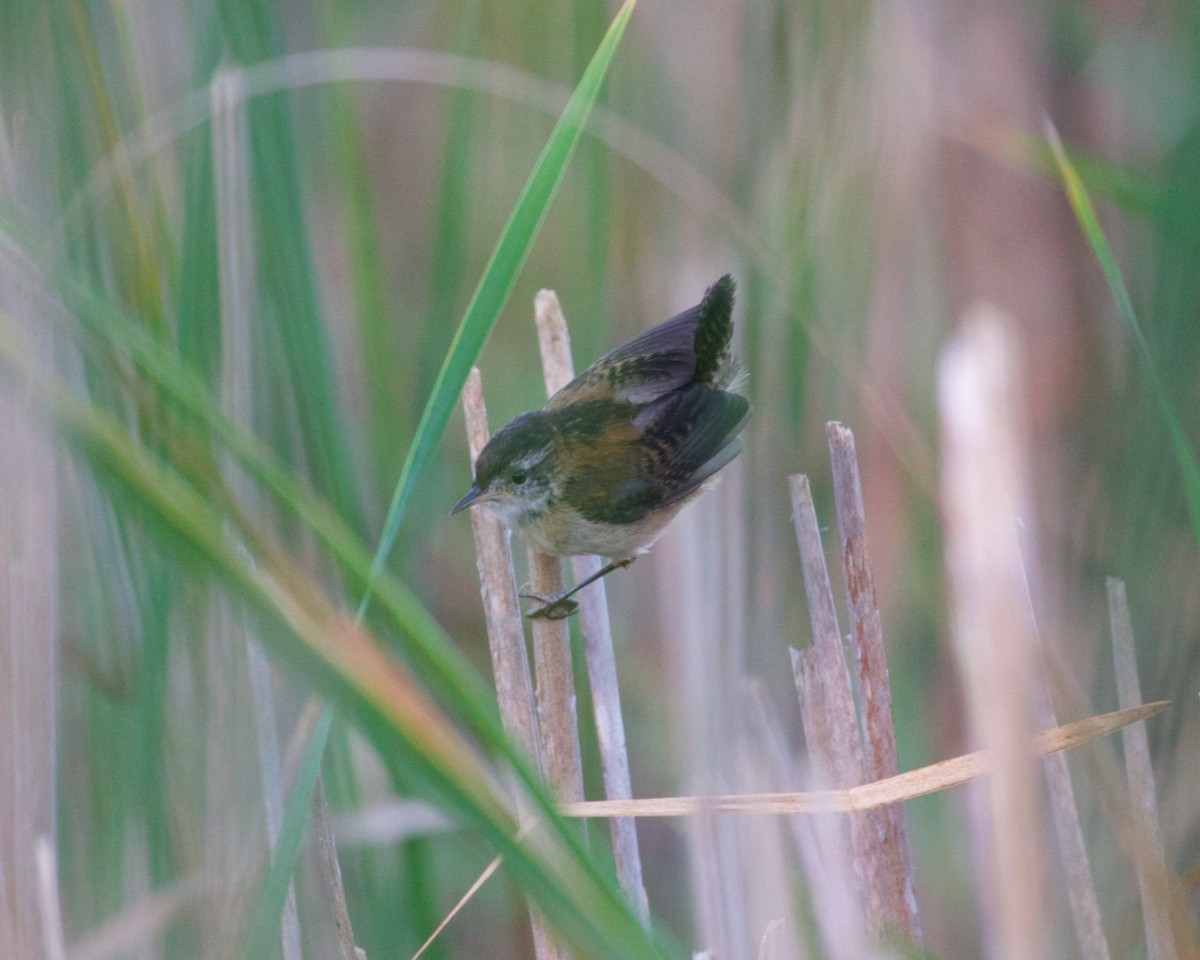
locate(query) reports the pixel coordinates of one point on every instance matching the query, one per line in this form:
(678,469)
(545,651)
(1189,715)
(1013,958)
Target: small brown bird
(618,451)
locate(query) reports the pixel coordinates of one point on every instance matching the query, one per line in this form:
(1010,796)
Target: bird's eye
(519,477)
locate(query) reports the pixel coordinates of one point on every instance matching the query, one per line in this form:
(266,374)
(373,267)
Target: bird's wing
(640,370)
(691,346)
(694,434)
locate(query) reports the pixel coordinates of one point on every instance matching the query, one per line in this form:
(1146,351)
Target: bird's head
(515,472)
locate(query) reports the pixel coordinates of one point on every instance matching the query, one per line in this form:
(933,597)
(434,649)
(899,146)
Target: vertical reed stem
(506,637)
(554,340)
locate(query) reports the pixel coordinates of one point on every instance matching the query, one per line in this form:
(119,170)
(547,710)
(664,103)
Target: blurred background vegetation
(867,171)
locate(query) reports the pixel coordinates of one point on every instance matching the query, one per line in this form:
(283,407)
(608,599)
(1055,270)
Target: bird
(614,455)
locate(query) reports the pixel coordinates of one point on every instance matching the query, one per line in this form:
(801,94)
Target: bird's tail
(715,365)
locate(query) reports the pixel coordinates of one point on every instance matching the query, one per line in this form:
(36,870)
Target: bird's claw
(552,608)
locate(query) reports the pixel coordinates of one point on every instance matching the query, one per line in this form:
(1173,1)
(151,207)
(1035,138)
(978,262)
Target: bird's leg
(560,605)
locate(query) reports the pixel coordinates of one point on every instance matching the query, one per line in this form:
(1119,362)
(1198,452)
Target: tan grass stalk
(506,640)
(893,882)
(498,585)
(554,341)
(984,499)
(869,796)
(555,689)
(1153,884)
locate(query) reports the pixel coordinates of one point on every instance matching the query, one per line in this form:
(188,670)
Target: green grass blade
(496,284)
(285,262)
(1085,213)
(262,936)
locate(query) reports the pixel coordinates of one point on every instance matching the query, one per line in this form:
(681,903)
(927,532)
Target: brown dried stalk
(892,879)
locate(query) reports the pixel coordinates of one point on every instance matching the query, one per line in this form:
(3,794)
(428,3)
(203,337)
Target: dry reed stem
(555,689)
(554,341)
(869,796)
(1153,885)
(506,637)
(844,745)
(498,587)
(826,699)
(891,866)
(985,500)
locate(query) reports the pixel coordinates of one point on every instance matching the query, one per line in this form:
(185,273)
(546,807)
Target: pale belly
(581,536)
(564,532)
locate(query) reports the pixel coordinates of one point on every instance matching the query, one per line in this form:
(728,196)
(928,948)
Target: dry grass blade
(869,796)
(483,878)
(985,500)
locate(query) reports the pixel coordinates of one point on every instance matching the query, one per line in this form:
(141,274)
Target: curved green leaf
(496,284)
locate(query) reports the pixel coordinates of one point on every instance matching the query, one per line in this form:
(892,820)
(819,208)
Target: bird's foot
(555,607)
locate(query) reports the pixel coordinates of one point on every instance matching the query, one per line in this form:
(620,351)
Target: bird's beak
(472,495)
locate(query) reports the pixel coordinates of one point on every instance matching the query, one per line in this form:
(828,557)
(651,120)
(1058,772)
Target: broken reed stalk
(985,498)
(555,346)
(555,688)
(894,864)
(869,796)
(827,701)
(1153,885)
(506,636)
